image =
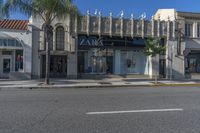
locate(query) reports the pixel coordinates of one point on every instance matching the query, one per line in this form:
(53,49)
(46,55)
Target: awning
(193,44)
(9,42)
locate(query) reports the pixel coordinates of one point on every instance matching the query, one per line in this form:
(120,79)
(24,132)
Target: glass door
(192,65)
(6,65)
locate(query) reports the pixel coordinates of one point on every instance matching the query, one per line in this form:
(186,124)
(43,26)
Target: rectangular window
(188,30)
(198,30)
(6,52)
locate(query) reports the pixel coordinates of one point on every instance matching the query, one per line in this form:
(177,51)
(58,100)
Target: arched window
(60,37)
(43,41)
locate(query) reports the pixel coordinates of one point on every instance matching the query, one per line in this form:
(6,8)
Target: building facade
(98,45)
(15,49)
(185,48)
(103,45)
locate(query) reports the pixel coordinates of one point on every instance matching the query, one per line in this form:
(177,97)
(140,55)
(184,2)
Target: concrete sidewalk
(84,83)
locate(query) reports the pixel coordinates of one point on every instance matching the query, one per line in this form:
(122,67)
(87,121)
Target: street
(101,110)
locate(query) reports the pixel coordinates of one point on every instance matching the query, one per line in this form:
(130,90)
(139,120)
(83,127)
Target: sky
(137,7)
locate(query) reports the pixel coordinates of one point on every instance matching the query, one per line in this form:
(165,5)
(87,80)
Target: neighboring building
(186,45)
(15,49)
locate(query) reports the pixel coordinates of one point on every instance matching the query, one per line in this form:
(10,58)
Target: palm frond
(48,10)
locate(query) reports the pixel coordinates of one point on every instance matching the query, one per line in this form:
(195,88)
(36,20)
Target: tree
(1,10)
(48,10)
(153,49)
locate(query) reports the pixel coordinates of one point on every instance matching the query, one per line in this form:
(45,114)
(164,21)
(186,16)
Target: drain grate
(105,83)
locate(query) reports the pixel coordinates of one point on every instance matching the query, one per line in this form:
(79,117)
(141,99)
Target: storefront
(11,55)
(192,64)
(105,55)
(58,66)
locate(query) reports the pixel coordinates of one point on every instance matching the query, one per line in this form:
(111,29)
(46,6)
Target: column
(153,26)
(54,40)
(99,25)
(1,64)
(76,25)
(158,24)
(13,61)
(195,30)
(122,27)
(110,32)
(167,56)
(88,22)
(174,29)
(143,24)
(117,62)
(168,29)
(132,25)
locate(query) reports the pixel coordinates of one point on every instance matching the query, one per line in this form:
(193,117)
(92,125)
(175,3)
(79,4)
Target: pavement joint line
(135,111)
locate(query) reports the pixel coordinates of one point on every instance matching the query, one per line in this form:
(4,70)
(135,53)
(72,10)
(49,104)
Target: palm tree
(48,10)
(1,5)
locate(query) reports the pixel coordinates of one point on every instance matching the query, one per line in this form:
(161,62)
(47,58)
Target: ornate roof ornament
(96,12)
(121,14)
(143,16)
(100,13)
(88,12)
(132,16)
(110,14)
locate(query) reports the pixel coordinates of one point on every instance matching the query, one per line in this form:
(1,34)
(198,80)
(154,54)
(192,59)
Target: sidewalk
(84,83)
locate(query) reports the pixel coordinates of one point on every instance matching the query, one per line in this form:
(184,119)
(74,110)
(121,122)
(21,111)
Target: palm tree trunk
(48,31)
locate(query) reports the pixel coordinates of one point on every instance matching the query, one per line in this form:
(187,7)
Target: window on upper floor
(188,30)
(198,30)
(60,38)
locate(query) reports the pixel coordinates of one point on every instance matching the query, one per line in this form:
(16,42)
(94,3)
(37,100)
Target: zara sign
(90,41)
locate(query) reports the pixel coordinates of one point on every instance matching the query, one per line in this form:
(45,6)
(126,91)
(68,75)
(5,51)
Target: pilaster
(88,23)
(132,25)
(122,27)
(158,24)
(195,29)
(110,29)
(152,26)
(99,25)
(143,24)
(174,29)
(54,40)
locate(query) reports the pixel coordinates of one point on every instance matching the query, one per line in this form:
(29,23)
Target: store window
(194,65)
(128,62)
(96,61)
(60,37)
(19,60)
(10,43)
(188,30)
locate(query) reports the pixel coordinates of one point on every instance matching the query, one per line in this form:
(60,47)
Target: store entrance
(58,66)
(162,68)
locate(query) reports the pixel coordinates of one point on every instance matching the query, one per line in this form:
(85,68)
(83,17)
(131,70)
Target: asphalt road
(101,110)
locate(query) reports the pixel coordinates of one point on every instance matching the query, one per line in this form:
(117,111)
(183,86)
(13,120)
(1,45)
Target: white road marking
(134,111)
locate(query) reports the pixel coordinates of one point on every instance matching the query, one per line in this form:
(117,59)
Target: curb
(90,86)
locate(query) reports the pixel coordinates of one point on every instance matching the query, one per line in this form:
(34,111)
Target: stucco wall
(70,45)
(26,39)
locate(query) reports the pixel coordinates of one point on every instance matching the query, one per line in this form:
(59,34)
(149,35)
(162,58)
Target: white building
(15,49)
(186,45)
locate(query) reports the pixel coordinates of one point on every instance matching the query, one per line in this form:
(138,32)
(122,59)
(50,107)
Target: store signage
(90,41)
(105,41)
